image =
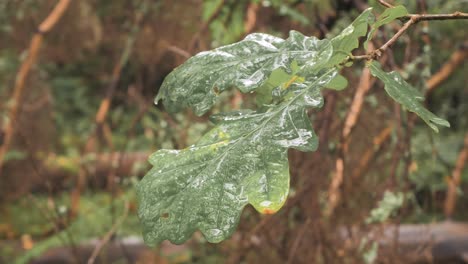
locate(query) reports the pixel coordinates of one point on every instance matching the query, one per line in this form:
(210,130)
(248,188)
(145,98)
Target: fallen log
(444,242)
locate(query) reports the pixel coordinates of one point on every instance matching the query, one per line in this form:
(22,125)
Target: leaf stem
(384,3)
(413,19)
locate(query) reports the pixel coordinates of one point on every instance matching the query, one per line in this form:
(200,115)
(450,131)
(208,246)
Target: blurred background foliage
(69,179)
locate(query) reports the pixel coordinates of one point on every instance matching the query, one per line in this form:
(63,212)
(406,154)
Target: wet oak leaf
(389,15)
(246,65)
(406,95)
(242,160)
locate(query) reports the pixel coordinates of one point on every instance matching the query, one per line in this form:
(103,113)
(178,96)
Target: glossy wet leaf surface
(277,78)
(246,65)
(242,160)
(389,15)
(348,39)
(407,96)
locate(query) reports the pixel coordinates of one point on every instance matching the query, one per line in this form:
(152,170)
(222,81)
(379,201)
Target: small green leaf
(338,83)
(386,17)
(407,96)
(246,65)
(348,40)
(389,204)
(242,160)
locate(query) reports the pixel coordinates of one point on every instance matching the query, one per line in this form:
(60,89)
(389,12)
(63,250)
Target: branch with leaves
(243,159)
(400,12)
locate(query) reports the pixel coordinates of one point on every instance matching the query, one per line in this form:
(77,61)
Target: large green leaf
(246,65)
(407,96)
(386,17)
(242,160)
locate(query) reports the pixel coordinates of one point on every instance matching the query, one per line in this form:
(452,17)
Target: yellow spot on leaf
(291,81)
(268,211)
(223,135)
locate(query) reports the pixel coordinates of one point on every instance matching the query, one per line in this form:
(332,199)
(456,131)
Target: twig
(297,241)
(454,181)
(330,98)
(382,2)
(109,234)
(105,105)
(179,51)
(18,90)
(444,72)
(251,17)
(413,19)
(123,60)
(399,148)
(205,25)
(369,154)
(350,121)
(365,84)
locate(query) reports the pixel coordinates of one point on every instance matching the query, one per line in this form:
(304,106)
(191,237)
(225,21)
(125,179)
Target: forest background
(86,123)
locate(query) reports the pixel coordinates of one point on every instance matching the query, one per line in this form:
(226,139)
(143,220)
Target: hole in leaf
(165,215)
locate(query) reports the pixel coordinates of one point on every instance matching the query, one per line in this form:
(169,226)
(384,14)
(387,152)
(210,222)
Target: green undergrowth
(98,211)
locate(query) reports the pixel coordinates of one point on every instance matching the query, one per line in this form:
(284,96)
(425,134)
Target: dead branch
(298,240)
(444,242)
(350,122)
(116,72)
(412,20)
(366,158)
(364,85)
(251,17)
(108,235)
(384,3)
(454,181)
(196,38)
(457,58)
(21,77)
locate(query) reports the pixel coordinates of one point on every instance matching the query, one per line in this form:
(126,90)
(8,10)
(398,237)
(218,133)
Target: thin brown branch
(251,17)
(457,58)
(369,154)
(179,51)
(428,17)
(123,60)
(297,241)
(364,85)
(109,234)
(399,148)
(412,19)
(334,192)
(454,181)
(384,3)
(54,16)
(105,104)
(196,38)
(21,77)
